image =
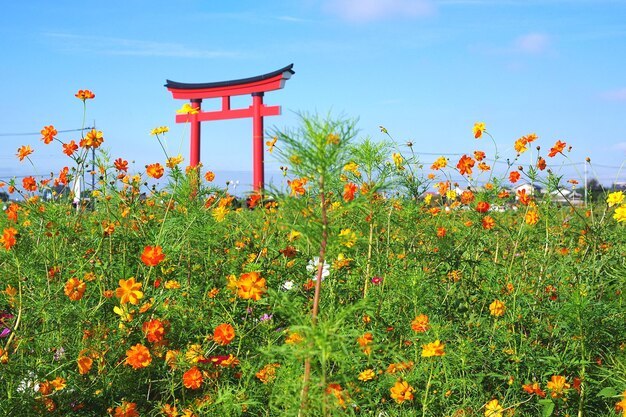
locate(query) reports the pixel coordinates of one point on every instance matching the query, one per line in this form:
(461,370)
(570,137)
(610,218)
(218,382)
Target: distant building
(530,189)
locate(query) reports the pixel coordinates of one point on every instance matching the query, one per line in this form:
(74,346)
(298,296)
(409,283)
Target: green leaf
(548,407)
(608,392)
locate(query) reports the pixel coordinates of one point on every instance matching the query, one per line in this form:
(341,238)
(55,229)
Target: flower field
(371,284)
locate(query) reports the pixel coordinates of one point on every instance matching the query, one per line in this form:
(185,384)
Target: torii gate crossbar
(255,86)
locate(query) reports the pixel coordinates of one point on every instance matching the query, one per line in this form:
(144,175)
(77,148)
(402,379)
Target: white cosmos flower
(314,264)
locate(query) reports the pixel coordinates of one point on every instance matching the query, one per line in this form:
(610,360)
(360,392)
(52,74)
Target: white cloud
(131,47)
(370,10)
(532,43)
(528,44)
(615,95)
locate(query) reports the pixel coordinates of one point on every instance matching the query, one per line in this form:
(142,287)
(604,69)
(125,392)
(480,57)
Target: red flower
(224,334)
(465,165)
(192,379)
(482,207)
(70,148)
(152,255)
(557,148)
(48,133)
(121,164)
(84,95)
(348,191)
(8,237)
(29,184)
(514,176)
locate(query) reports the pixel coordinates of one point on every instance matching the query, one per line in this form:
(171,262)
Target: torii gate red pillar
(256,87)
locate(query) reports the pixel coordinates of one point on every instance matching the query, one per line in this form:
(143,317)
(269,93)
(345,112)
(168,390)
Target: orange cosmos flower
(154,330)
(524,198)
(497,308)
(84,364)
(557,385)
(267,373)
(271,144)
(129,291)
(338,393)
(364,341)
(126,410)
(520,145)
(223,334)
(465,165)
(402,391)
(8,238)
(541,164)
(209,176)
(251,286)
(479,128)
(121,164)
(557,148)
(85,95)
(441,162)
(479,155)
(420,323)
(482,207)
(23,152)
(441,232)
(12,212)
(70,148)
(138,356)
(29,184)
(488,222)
(467,197)
(297,186)
(514,176)
(192,379)
(93,139)
(348,191)
(483,166)
(75,288)
(48,133)
(155,170)
(152,255)
(534,388)
(531,217)
(433,349)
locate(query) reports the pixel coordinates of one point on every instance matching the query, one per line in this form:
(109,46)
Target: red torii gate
(256,86)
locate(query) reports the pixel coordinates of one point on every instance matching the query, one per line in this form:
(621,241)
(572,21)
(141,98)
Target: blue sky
(424,69)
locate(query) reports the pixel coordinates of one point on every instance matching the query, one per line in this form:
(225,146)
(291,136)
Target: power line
(39,133)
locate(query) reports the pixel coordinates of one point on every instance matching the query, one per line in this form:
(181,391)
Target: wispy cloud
(130,47)
(620,146)
(528,44)
(372,10)
(531,43)
(293,19)
(614,95)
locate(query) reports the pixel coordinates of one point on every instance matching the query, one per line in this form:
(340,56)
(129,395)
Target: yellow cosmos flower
(187,109)
(620,214)
(367,375)
(497,308)
(159,130)
(615,198)
(348,238)
(493,409)
(174,160)
(433,349)
(398,160)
